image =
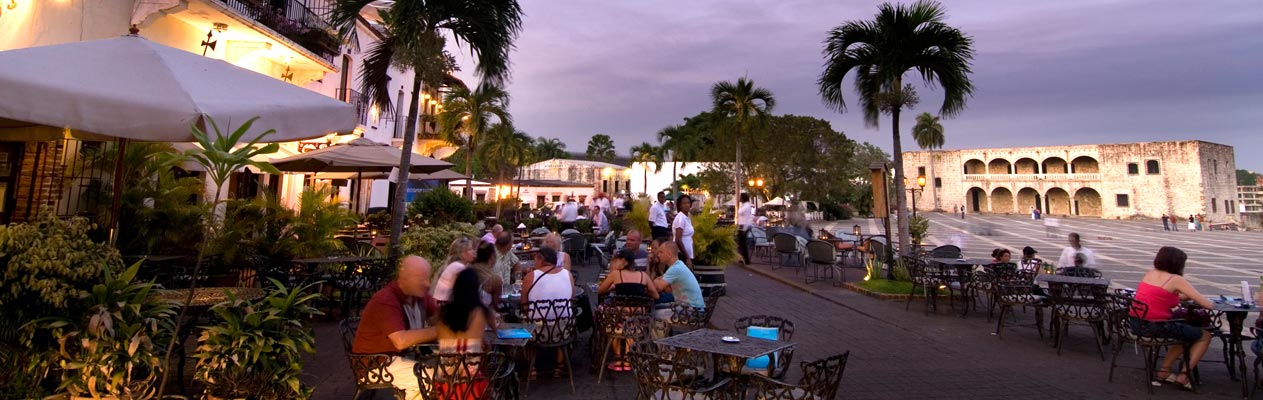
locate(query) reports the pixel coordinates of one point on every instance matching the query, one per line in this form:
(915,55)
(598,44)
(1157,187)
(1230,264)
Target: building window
(1123,200)
(1151,167)
(938,182)
(1214,206)
(1227,207)
(920,171)
(556,198)
(1133,168)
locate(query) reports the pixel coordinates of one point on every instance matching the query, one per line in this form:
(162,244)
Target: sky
(1046,73)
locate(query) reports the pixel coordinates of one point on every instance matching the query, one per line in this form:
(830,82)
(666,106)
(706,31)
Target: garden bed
(882,289)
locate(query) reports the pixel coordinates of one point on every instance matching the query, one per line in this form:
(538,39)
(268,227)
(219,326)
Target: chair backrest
(879,251)
(683,315)
(463,376)
(945,251)
(784,326)
(919,271)
(348,327)
(1076,301)
(821,252)
(611,320)
(610,240)
(659,378)
(1081,272)
(1013,285)
(823,377)
(758,233)
(370,370)
(785,243)
(554,321)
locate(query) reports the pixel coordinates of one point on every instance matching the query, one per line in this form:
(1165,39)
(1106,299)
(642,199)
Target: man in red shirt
(394,320)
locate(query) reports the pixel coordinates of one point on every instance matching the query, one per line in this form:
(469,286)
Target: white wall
(660,180)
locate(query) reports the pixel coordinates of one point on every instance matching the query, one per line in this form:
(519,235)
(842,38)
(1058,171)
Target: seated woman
(1001,256)
(553,241)
(463,320)
(484,262)
(547,281)
(1161,289)
(624,280)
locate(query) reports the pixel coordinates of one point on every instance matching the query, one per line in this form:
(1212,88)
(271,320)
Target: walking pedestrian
(1038,214)
(962,211)
(1166,226)
(1192,223)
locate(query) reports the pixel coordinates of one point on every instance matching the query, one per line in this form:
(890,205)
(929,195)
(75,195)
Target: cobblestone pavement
(894,353)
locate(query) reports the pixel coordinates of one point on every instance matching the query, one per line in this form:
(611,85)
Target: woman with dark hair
(484,263)
(682,228)
(625,280)
(463,319)
(1161,289)
(1001,256)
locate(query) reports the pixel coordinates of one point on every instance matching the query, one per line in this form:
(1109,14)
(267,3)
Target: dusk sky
(1046,73)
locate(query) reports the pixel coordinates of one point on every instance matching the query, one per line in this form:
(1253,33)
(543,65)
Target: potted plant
(112,350)
(256,349)
(918,228)
(715,247)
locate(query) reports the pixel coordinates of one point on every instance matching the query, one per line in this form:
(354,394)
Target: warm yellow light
(759,182)
(465,118)
(921,181)
(750,182)
(607,171)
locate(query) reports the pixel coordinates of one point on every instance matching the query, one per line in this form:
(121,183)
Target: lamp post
(756,184)
(914,191)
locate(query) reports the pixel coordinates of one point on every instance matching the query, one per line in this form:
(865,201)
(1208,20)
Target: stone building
(1102,180)
(604,177)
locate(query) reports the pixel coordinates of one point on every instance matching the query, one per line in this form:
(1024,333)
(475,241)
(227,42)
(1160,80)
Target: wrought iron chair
(370,370)
(576,245)
(1080,272)
(786,246)
(660,378)
(820,381)
(554,322)
(688,318)
(1079,303)
(984,281)
(760,243)
(1016,288)
(922,276)
(1150,335)
(464,376)
(781,360)
(611,322)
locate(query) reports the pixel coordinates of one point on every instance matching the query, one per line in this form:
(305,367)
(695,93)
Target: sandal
(1169,378)
(1186,385)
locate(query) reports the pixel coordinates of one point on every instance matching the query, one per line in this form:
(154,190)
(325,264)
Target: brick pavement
(895,353)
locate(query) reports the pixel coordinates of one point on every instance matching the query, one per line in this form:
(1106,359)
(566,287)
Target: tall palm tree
(549,148)
(928,133)
(682,144)
(413,38)
(740,105)
(471,112)
(650,155)
(898,40)
(506,149)
(601,148)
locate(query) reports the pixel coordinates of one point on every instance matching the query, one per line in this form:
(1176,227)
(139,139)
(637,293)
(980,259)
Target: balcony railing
(303,21)
(1090,177)
(358,100)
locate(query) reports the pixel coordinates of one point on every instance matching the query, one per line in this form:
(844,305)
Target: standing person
(1161,289)
(569,213)
(745,219)
(658,225)
(1166,225)
(962,211)
(603,201)
(682,227)
(1033,215)
(459,255)
(618,205)
(1175,224)
(1038,214)
(464,319)
(1076,249)
(1192,223)
(678,281)
(395,320)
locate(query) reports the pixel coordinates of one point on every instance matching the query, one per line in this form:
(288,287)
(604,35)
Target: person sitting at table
(459,254)
(553,241)
(600,223)
(548,282)
(395,320)
(678,280)
(632,243)
(1029,262)
(463,320)
(653,265)
(1001,256)
(492,233)
(507,262)
(625,280)
(484,258)
(1161,289)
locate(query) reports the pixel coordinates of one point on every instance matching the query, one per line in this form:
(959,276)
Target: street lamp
(756,184)
(915,191)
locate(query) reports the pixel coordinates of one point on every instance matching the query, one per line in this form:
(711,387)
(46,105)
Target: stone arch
(1001,200)
(1027,198)
(999,166)
(976,200)
(1084,165)
(1026,166)
(975,166)
(1057,201)
(1087,202)
(1055,165)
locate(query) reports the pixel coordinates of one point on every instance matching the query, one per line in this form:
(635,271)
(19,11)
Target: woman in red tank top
(1161,289)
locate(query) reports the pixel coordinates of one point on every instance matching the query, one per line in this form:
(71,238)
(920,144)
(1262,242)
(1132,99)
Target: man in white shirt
(569,213)
(658,218)
(1076,248)
(602,200)
(618,205)
(745,219)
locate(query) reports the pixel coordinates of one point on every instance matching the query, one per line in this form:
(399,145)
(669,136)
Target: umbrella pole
(116,203)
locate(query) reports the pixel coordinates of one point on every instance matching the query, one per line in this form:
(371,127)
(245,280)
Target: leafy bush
(379,220)
(715,245)
(583,225)
(432,242)
(638,217)
(834,211)
(263,227)
(532,223)
(440,207)
(918,226)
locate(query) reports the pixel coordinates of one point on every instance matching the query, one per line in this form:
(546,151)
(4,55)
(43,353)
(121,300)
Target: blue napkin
(515,333)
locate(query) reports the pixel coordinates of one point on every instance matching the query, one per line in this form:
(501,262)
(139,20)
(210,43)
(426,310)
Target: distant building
(605,177)
(1250,204)
(1148,180)
(531,192)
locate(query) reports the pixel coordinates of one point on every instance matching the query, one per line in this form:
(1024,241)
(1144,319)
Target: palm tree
(683,144)
(929,135)
(880,51)
(470,112)
(549,148)
(648,154)
(506,149)
(740,105)
(413,38)
(601,148)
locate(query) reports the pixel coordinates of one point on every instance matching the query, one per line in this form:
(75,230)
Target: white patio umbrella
(778,201)
(357,156)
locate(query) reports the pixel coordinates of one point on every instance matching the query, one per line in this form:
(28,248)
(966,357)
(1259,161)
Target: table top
(960,261)
(491,338)
(334,260)
(1231,306)
(209,296)
(709,341)
(1076,280)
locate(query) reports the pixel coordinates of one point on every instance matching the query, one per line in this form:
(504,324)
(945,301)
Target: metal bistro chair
(555,328)
(945,251)
(1079,303)
(823,257)
(759,241)
(369,369)
(464,376)
(1152,336)
(786,246)
(1012,288)
(688,318)
(611,321)
(922,276)
(576,245)
(984,281)
(660,378)
(820,381)
(779,362)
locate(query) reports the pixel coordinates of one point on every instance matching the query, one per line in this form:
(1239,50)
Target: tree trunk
(646,181)
(901,202)
(736,191)
(469,153)
(405,163)
(674,188)
(499,198)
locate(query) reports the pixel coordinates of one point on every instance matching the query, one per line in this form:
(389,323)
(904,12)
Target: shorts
(1174,330)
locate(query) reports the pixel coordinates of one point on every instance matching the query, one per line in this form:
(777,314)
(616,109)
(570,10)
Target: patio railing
(358,100)
(303,21)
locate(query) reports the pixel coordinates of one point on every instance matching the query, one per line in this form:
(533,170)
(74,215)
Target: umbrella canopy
(359,155)
(776,202)
(444,175)
(132,88)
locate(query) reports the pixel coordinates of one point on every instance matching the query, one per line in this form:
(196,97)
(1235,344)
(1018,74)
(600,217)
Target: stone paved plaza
(907,354)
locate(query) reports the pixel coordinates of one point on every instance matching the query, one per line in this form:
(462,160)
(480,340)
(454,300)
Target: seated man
(395,320)
(493,233)
(678,280)
(633,243)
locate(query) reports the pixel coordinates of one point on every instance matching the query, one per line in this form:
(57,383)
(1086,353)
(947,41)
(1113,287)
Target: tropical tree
(683,144)
(928,133)
(505,149)
(467,116)
(739,106)
(549,148)
(900,39)
(413,38)
(601,148)
(650,155)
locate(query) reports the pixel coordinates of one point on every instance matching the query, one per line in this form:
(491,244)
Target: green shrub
(918,227)
(263,227)
(432,242)
(715,245)
(886,286)
(638,217)
(440,207)
(583,225)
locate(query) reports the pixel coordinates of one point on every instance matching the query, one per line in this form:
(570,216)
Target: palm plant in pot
(716,248)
